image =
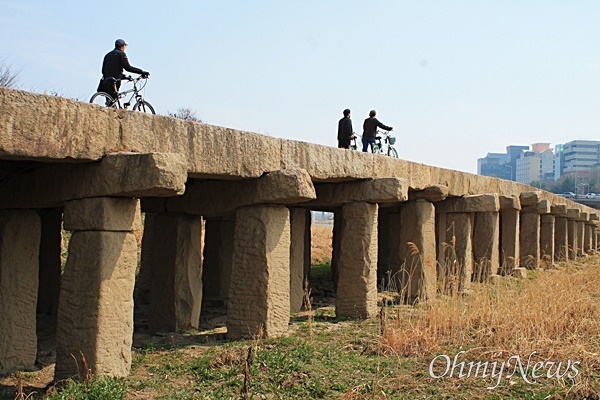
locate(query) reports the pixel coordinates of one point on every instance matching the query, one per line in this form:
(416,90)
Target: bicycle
(104,99)
(385,148)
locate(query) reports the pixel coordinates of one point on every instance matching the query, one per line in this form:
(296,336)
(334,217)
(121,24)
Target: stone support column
(530,239)
(20,232)
(486,245)
(383,242)
(356,295)
(297,253)
(510,241)
(561,238)
(457,273)
(588,241)
(547,229)
(95,313)
(259,300)
(580,231)
(176,292)
(572,237)
(336,243)
(50,262)
(415,269)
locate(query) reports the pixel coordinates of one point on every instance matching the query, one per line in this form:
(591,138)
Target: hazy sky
(456,79)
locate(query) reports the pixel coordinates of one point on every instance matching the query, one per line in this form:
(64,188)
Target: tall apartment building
(536,165)
(579,158)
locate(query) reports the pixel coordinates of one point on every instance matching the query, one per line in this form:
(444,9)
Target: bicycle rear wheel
(144,106)
(103,99)
(392,152)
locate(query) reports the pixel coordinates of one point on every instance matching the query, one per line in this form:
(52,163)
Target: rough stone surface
(559,209)
(486,245)
(510,240)
(50,262)
(143,281)
(383,190)
(176,290)
(120,175)
(584,217)
(474,203)
(416,247)
(298,229)
(103,214)
(580,231)
(530,198)
(356,295)
(432,193)
(573,213)
(260,279)
(547,232)
(95,314)
(588,242)
(217,198)
(561,242)
(19,247)
(530,240)
(573,240)
(457,271)
(509,203)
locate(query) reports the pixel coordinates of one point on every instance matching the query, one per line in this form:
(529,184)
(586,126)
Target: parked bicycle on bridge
(104,99)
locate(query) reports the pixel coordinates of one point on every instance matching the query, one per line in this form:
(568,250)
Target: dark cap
(346,112)
(120,43)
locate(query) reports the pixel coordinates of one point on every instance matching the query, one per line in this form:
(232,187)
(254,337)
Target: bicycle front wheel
(103,99)
(144,106)
(392,152)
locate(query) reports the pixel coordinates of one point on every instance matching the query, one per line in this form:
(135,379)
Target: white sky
(456,79)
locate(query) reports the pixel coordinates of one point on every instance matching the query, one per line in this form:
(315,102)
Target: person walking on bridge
(345,133)
(112,69)
(370,130)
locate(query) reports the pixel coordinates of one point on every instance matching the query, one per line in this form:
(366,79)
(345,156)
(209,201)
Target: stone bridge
(226,216)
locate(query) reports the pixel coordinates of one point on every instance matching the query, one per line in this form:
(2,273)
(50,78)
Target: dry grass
(320,246)
(556,315)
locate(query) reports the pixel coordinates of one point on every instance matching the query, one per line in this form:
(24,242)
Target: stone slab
(530,198)
(119,174)
(384,190)
(509,202)
(431,193)
(102,214)
(473,203)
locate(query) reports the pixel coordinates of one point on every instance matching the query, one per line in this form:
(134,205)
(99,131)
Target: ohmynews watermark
(498,370)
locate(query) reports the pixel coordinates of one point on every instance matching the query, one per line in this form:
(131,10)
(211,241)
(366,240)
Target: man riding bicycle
(112,69)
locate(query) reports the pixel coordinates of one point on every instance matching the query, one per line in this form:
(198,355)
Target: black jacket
(344,129)
(370,127)
(115,62)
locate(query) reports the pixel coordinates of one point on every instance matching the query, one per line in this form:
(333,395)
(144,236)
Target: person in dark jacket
(345,133)
(370,130)
(112,69)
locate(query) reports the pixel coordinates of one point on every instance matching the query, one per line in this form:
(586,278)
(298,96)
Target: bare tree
(185,114)
(8,77)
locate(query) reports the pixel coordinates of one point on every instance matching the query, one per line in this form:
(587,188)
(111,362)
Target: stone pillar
(486,245)
(510,241)
(50,262)
(20,232)
(95,312)
(297,231)
(143,281)
(547,228)
(561,238)
(356,295)
(259,300)
(416,247)
(307,244)
(176,292)
(580,231)
(530,240)
(458,271)
(588,241)
(572,237)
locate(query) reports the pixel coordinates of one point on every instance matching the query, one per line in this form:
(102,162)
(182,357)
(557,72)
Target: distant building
(580,157)
(501,165)
(536,165)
